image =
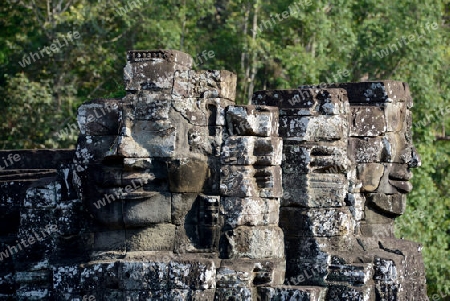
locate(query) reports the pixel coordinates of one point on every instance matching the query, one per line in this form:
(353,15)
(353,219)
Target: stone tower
(175,193)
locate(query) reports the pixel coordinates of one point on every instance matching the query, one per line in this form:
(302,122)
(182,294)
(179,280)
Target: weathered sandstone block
(320,157)
(99,117)
(319,128)
(252,121)
(287,292)
(205,84)
(154,70)
(314,190)
(248,181)
(316,222)
(251,150)
(253,242)
(250,211)
(366,121)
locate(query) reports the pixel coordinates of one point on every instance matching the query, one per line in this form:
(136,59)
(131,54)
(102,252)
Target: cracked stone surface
(174,192)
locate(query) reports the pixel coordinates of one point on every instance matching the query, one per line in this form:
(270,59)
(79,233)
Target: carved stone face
(346,146)
(135,171)
(380,145)
(149,162)
(134,152)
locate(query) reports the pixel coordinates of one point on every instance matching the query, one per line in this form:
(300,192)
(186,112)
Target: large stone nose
(140,138)
(127,147)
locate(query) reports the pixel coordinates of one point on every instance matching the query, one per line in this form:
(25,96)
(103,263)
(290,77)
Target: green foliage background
(39,100)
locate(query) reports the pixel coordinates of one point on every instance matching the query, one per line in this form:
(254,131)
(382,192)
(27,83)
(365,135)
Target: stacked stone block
(146,171)
(166,136)
(162,137)
(313,125)
(347,153)
(34,212)
(380,138)
(174,193)
(252,244)
(382,151)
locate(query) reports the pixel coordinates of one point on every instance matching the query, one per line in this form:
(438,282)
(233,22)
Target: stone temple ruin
(174,192)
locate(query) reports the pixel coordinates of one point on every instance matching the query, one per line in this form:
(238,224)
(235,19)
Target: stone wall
(175,193)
